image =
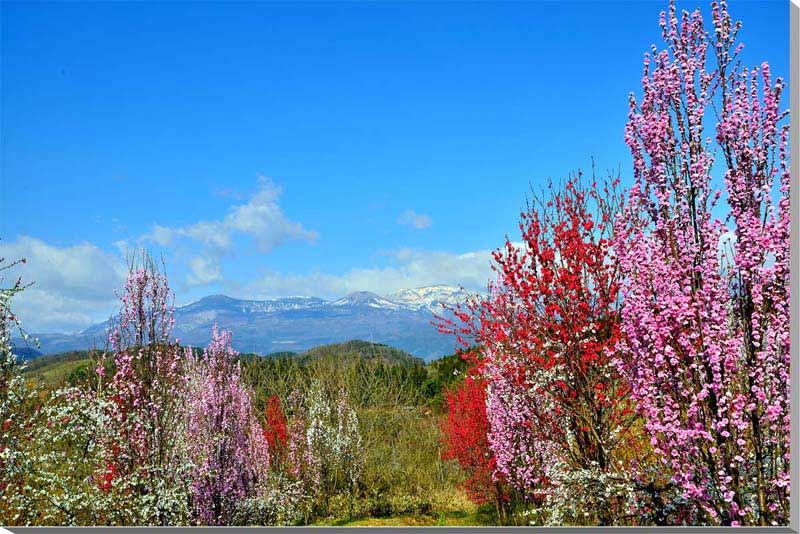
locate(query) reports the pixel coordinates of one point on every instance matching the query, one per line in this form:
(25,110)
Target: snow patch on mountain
(223,302)
(430,297)
(365,298)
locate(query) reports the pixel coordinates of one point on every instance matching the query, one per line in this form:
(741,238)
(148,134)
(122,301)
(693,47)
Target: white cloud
(72,287)
(410,269)
(123,246)
(204,271)
(212,234)
(414,219)
(260,218)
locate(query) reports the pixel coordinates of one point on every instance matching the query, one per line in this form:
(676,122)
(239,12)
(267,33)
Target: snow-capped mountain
(431,297)
(402,320)
(365,298)
(255,306)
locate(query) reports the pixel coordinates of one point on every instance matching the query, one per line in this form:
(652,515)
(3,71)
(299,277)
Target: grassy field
(54,375)
(466,514)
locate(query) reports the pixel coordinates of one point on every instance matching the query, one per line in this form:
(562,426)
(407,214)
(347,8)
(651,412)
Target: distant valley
(296,324)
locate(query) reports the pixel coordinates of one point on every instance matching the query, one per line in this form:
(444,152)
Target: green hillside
(56,370)
(68,368)
(362,350)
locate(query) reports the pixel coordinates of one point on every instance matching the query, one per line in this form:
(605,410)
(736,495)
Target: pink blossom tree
(144,454)
(706,302)
(226,443)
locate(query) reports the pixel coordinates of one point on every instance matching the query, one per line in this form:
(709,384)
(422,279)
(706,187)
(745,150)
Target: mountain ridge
(401,319)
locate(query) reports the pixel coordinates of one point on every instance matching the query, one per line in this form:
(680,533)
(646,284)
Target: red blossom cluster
(276,428)
(465,431)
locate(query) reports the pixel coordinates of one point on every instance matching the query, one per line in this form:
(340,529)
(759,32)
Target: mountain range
(297,324)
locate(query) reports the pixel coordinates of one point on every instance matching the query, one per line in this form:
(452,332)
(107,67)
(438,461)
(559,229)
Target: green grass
(54,375)
(478,517)
(459,512)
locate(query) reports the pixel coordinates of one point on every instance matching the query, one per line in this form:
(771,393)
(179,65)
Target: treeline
(375,374)
(358,367)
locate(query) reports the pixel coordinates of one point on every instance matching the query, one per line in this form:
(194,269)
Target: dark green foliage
(445,373)
(372,374)
(363,350)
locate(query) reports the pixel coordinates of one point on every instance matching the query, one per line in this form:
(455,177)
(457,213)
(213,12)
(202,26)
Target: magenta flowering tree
(521,455)
(706,302)
(226,443)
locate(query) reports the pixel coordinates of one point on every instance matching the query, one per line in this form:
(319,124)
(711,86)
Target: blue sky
(276,149)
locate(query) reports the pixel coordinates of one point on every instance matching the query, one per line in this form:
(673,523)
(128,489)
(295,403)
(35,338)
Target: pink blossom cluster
(182,429)
(144,410)
(226,444)
(706,302)
(522,453)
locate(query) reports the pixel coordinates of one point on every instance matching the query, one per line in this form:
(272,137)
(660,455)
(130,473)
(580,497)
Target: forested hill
(71,367)
(363,350)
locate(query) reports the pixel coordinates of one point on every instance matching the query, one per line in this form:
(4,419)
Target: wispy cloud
(204,271)
(414,219)
(260,218)
(409,268)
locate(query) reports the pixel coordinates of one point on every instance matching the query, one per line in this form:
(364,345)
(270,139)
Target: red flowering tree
(276,430)
(465,438)
(557,407)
